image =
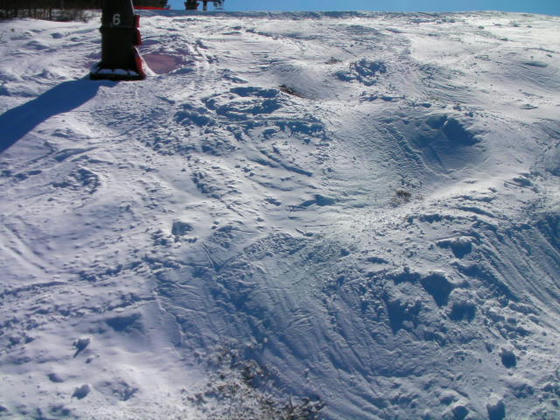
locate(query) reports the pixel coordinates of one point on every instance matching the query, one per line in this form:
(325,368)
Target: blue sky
(551,7)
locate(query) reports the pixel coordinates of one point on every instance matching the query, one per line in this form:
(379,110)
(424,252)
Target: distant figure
(193,4)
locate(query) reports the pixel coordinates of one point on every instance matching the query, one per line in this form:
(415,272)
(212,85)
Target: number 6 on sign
(117,19)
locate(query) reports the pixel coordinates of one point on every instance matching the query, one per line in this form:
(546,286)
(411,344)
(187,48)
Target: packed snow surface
(337,215)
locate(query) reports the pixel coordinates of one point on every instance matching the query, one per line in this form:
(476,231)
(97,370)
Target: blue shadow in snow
(17,122)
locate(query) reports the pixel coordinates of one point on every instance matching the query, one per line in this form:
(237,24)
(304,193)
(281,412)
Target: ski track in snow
(336,215)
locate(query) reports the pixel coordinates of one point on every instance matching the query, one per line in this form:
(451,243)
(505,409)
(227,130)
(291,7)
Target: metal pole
(120,59)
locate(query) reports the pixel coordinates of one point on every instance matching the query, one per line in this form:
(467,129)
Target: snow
(323,215)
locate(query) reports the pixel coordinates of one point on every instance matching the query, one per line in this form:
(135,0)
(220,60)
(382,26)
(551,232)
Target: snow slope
(336,215)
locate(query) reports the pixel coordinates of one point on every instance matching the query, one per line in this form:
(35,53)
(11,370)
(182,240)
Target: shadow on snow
(17,122)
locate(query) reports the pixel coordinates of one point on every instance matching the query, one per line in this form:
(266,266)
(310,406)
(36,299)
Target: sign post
(120,60)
